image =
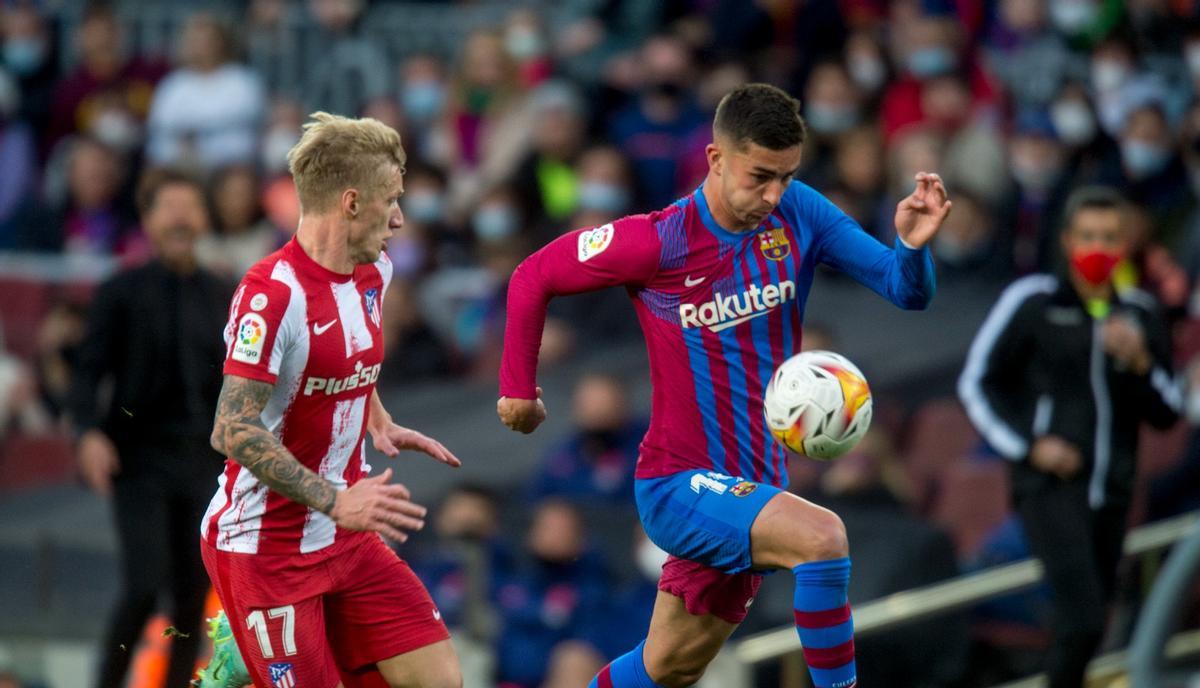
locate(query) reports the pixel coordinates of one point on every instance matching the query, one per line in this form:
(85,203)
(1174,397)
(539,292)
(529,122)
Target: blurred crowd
(551,121)
(564,115)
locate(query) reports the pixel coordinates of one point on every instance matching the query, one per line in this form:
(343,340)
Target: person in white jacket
(208,111)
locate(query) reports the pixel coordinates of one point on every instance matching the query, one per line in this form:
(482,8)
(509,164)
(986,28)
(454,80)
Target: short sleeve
(258,333)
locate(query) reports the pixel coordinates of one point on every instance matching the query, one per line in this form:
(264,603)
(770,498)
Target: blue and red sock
(824,622)
(626,671)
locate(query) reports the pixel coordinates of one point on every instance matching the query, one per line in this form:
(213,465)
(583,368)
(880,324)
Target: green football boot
(226,668)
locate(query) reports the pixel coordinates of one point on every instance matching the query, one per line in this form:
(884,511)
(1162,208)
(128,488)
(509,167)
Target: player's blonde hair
(337,153)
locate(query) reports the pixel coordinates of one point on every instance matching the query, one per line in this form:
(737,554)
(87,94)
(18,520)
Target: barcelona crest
(371,297)
(774,244)
(744,487)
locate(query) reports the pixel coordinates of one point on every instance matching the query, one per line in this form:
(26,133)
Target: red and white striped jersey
(315,335)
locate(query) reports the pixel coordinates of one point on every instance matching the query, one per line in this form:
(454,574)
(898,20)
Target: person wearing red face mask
(1058,380)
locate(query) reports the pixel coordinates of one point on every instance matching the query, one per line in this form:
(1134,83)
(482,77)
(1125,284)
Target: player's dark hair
(155,180)
(1092,198)
(761,114)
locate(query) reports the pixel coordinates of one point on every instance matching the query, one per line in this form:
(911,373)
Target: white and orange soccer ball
(818,404)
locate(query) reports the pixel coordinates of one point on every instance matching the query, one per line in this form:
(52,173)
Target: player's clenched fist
(522,415)
(376,505)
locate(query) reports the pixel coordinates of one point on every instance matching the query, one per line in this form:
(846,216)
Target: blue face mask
(425,206)
(830,119)
(930,62)
(607,198)
(493,223)
(408,256)
(423,100)
(24,55)
(1143,159)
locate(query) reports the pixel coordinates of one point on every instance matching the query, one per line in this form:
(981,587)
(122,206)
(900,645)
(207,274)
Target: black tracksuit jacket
(1038,367)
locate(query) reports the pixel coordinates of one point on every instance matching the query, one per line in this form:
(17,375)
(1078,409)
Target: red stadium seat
(972,500)
(1187,340)
(23,303)
(939,434)
(26,461)
(1159,450)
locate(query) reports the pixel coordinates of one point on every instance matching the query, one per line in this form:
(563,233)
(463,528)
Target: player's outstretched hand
(522,415)
(374,504)
(391,439)
(920,215)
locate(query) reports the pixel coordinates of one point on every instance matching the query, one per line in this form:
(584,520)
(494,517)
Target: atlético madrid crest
(282,675)
(371,297)
(774,244)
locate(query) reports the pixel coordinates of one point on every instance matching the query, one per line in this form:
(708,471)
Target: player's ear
(716,160)
(350,203)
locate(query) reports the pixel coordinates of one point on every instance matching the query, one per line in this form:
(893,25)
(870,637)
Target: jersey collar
(713,226)
(312,267)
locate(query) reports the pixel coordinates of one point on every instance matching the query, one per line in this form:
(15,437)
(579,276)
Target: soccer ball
(818,404)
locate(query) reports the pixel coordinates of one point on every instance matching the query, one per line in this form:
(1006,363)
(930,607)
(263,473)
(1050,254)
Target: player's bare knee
(824,538)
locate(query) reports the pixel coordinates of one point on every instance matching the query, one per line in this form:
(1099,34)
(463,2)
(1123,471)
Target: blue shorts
(702,516)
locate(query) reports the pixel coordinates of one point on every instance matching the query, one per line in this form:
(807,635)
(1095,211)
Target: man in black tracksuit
(152,342)
(1058,380)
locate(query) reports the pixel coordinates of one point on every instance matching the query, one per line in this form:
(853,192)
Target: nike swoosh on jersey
(689,282)
(320,329)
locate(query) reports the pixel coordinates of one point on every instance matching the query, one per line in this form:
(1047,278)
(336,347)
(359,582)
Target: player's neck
(717,208)
(324,241)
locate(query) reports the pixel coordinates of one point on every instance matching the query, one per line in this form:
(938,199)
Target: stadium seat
(1187,340)
(972,499)
(1159,450)
(21,310)
(26,461)
(939,434)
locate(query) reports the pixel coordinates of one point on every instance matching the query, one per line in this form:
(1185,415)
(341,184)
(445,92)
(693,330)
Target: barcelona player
(719,280)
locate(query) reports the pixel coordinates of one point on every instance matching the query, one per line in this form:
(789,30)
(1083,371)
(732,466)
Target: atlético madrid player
(291,539)
(718,280)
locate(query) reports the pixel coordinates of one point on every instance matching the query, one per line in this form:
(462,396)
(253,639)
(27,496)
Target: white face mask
(953,250)
(868,72)
(117,129)
(1144,159)
(1072,16)
(1073,122)
(524,44)
(1109,75)
(650,560)
(275,147)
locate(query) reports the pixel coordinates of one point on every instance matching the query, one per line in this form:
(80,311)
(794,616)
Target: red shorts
(705,590)
(317,619)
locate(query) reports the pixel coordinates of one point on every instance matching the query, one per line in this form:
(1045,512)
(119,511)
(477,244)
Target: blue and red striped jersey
(719,310)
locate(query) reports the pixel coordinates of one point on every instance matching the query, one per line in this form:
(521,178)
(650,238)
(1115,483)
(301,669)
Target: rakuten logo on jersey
(726,311)
(361,377)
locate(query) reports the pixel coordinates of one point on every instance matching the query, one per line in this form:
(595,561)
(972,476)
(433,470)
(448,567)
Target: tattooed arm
(239,433)
(370,504)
